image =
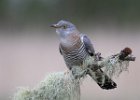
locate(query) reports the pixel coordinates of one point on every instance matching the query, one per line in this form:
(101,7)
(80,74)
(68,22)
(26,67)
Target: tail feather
(102,79)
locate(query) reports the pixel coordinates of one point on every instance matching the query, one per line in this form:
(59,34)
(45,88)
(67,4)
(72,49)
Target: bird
(75,47)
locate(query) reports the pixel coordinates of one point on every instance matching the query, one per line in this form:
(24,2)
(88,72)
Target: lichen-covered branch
(66,85)
(102,63)
(56,86)
(113,64)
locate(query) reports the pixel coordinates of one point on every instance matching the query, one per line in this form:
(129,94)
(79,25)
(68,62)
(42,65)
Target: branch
(130,58)
(113,65)
(124,55)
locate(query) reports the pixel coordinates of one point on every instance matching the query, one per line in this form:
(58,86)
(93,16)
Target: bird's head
(64,28)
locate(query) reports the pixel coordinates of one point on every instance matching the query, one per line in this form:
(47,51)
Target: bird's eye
(65,26)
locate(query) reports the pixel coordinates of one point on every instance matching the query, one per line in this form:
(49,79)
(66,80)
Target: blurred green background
(29,47)
(19,13)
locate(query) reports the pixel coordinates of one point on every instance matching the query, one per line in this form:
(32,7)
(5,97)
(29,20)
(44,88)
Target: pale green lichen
(56,86)
(114,66)
(23,94)
(66,85)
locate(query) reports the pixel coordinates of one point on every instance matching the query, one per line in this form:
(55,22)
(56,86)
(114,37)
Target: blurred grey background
(29,47)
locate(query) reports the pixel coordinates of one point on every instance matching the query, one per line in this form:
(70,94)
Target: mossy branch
(66,85)
(101,62)
(114,64)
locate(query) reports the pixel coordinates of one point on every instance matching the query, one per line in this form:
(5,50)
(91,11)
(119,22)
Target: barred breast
(75,54)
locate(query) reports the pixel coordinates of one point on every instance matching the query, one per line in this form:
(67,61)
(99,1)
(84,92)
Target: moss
(114,66)
(56,86)
(23,94)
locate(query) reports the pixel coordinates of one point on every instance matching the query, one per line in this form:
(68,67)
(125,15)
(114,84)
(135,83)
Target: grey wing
(88,45)
(99,76)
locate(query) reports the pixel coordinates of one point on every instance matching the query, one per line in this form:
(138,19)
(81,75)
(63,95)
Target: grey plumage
(75,48)
(78,55)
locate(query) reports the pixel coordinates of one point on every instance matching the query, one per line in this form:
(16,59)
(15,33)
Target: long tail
(102,79)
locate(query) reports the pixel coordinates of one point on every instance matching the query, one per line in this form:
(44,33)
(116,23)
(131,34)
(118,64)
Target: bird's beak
(55,26)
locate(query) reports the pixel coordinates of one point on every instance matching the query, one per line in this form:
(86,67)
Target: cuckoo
(75,47)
